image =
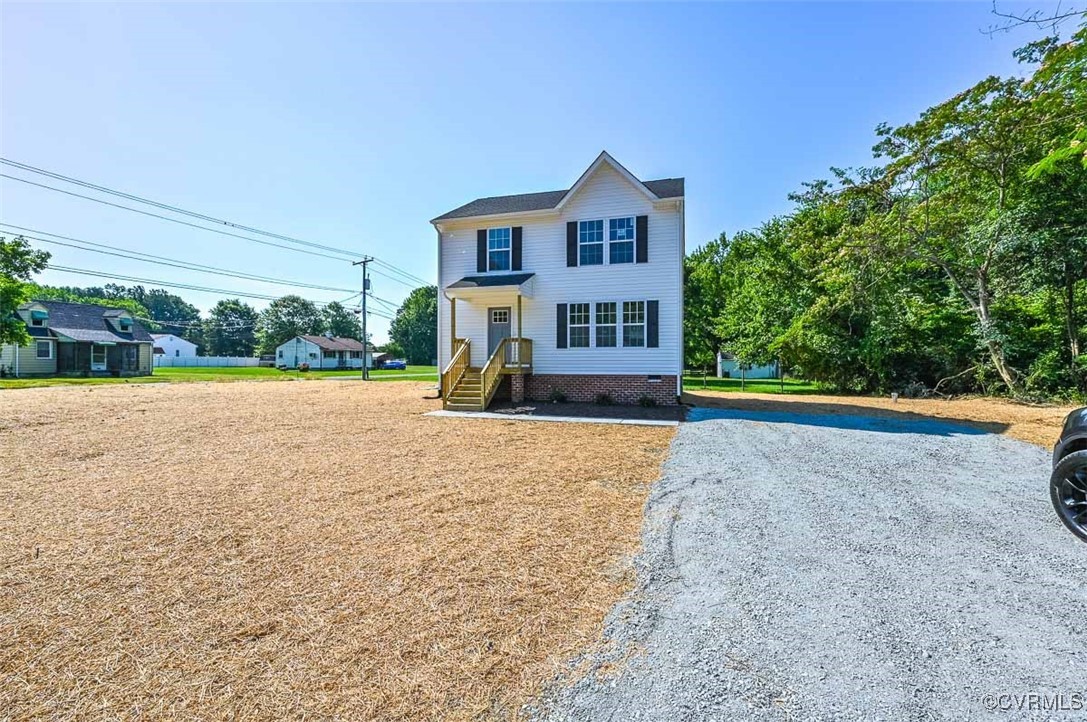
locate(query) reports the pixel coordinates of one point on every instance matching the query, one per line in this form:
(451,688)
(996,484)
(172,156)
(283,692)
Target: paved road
(832,568)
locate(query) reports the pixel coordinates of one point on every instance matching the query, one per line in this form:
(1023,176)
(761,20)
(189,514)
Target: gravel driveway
(840,567)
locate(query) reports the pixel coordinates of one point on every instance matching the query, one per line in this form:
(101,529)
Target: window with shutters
(578,325)
(606,325)
(590,240)
(498,249)
(621,240)
(633,323)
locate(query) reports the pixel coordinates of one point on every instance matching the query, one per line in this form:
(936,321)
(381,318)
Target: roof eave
(439,221)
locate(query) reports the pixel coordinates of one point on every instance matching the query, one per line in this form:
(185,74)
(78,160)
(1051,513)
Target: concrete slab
(561,419)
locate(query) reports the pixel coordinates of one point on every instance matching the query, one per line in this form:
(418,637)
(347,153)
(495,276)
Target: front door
(498,328)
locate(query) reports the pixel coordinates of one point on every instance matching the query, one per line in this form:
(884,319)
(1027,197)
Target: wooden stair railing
(491,374)
(457,366)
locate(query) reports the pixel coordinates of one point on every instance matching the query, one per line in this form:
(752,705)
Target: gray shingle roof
(663,188)
(87,322)
(336,343)
(506,279)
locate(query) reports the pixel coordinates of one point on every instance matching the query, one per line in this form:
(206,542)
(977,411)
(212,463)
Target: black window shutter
(571,243)
(481,251)
(641,239)
(515,255)
(560,326)
(652,324)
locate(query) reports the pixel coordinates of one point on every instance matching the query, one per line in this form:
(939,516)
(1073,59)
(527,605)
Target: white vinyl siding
(604,196)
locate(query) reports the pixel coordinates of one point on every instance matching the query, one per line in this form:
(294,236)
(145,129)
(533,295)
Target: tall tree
(286,318)
(18,262)
(231,329)
(415,327)
(341,322)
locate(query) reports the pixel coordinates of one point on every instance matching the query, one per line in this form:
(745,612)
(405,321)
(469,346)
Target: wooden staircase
(467,394)
(470,388)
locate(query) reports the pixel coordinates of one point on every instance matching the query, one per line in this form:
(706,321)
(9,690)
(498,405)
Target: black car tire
(1068,491)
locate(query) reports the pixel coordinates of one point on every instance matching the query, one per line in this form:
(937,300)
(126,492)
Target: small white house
(167,344)
(322,352)
(729,367)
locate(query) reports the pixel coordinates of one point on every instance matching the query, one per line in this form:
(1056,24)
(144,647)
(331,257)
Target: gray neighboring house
(78,339)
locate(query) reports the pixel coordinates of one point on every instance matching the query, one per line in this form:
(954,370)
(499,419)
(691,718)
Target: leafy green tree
(286,318)
(231,329)
(393,349)
(341,322)
(415,327)
(18,262)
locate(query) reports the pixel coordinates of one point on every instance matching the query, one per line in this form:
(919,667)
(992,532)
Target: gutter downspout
(15,348)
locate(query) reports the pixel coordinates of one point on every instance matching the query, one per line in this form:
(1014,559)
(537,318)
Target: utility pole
(365,291)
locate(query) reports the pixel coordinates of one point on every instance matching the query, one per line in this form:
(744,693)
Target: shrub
(556,397)
(647,401)
(603,399)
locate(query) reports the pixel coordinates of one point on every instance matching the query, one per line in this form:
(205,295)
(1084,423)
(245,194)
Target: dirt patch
(1035,424)
(245,551)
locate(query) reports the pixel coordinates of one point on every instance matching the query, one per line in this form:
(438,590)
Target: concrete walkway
(559,419)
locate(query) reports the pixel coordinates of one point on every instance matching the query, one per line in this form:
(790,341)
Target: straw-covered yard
(317,550)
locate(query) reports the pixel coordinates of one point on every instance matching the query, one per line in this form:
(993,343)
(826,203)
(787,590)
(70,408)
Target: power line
(172,220)
(163,260)
(173,209)
(192,214)
(170,284)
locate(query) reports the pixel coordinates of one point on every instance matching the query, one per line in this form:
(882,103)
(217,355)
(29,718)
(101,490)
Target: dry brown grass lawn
(317,550)
(1034,424)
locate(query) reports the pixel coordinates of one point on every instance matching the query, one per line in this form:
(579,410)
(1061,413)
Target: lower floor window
(579,325)
(605,325)
(44,350)
(329,354)
(634,323)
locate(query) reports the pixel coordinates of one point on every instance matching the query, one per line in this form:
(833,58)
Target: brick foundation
(517,388)
(623,389)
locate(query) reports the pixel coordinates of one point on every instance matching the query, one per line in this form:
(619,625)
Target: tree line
(958,262)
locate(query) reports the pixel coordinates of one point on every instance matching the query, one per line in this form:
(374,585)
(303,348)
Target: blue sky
(352,125)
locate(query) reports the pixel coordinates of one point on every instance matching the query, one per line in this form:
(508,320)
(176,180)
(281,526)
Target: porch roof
(481,286)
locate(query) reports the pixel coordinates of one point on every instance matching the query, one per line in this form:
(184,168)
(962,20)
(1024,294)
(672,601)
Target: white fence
(206,361)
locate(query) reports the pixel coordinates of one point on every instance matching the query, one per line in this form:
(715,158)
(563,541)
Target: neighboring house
(78,339)
(167,344)
(729,367)
(577,292)
(322,352)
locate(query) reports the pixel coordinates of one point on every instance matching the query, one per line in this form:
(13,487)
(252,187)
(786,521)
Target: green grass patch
(755,386)
(244,373)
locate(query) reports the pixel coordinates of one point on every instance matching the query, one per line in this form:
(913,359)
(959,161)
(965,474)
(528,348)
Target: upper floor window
(125,324)
(579,325)
(634,323)
(38,318)
(498,249)
(621,240)
(590,240)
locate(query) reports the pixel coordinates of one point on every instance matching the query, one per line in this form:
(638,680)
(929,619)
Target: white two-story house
(569,294)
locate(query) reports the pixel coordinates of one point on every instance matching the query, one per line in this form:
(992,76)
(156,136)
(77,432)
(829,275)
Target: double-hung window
(605,325)
(579,325)
(590,241)
(498,249)
(43,350)
(621,240)
(634,323)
